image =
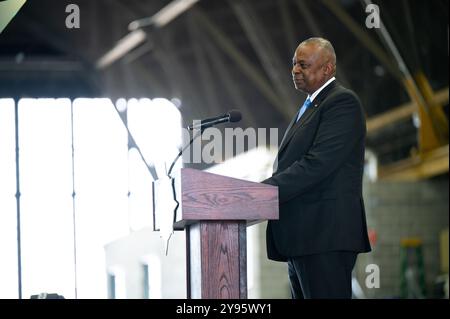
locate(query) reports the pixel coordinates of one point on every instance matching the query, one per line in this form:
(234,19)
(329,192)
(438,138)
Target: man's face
(309,68)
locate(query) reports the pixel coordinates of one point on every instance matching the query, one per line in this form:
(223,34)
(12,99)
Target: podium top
(207,196)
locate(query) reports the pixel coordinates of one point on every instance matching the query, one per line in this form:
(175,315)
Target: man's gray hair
(324,44)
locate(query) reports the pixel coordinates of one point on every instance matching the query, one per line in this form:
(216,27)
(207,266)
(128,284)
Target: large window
(45,201)
(8,212)
(82,185)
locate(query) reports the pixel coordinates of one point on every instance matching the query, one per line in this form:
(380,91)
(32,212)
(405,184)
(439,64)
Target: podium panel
(215,211)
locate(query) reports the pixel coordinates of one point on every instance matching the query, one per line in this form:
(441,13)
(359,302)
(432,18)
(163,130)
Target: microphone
(231,116)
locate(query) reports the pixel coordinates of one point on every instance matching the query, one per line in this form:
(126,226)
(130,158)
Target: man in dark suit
(318,171)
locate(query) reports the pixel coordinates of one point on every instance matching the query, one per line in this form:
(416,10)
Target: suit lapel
(288,129)
(292,128)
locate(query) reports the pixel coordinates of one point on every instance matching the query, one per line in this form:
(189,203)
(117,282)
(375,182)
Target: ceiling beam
(402,112)
(288,25)
(417,167)
(250,70)
(207,81)
(364,38)
(137,35)
(233,88)
(52,38)
(428,135)
(41,64)
(278,72)
(175,71)
(61,43)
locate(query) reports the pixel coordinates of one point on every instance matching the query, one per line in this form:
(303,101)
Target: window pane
(140,199)
(46,202)
(8,211)
(155,125)
(101,186)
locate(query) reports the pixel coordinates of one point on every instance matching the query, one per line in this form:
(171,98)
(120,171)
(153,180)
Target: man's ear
(328,69)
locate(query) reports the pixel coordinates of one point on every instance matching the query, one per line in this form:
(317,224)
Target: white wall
(129,253)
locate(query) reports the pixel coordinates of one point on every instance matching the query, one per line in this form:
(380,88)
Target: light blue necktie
(305,105)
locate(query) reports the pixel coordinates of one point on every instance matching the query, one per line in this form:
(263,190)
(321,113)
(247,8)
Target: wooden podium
(215,210)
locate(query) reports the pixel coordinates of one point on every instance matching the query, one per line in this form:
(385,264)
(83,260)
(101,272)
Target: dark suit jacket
(319,175)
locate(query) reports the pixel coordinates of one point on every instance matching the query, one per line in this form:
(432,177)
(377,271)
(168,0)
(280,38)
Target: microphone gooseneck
(231,116)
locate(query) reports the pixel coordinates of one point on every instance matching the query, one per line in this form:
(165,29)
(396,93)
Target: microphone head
(235,115)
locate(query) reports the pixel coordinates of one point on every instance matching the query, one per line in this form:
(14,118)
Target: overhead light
(125,45)
(137,35)
(164,16)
